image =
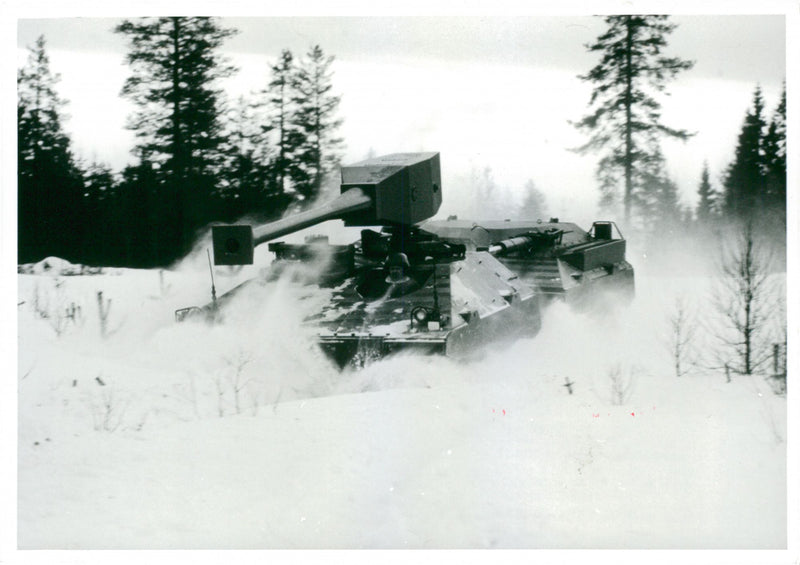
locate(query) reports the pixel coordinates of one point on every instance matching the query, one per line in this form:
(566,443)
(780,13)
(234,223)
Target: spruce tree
(175,69)
(241,183)
(99,190)
(775,159)
(49,184)
(745,178)
(249,185)
(657,200)
(668,211)
(314,124)
(278,124)
(144,212)
(706,197)
(625,117)
(534,205)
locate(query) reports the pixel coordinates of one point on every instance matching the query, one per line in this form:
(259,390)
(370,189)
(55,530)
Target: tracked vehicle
(448,287)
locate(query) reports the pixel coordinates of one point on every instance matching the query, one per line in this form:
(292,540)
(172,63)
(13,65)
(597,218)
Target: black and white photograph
(462,277)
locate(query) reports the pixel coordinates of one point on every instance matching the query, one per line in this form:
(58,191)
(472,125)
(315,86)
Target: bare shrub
(163,286)
(680,340)
(277,400)
(58,321)
(231,382)
(622,381)
(777,378)
(746,301)
(74,313)
(220,388)
(188,393)
(108,411)
(103,309)
(57,309)
(41,306)
(234,375)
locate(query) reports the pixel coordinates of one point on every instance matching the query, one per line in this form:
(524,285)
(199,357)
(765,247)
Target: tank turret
(395,190)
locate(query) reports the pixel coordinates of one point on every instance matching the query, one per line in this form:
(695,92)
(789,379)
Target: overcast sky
(485,91)
(738,47)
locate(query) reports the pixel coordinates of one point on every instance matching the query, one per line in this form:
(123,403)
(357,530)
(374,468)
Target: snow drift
(136,432)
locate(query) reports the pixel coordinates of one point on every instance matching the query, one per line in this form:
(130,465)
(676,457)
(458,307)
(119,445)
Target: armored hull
(455,308)
(559,259)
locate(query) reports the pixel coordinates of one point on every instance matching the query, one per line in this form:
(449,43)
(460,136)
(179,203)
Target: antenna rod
(211,270)
(435,294)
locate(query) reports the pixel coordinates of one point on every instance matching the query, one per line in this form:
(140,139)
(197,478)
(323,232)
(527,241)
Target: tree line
(624,124)
(199,158)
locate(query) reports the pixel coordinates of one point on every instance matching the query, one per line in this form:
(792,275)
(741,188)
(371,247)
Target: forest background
(252,148)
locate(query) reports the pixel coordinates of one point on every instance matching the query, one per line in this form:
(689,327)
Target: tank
(411,284)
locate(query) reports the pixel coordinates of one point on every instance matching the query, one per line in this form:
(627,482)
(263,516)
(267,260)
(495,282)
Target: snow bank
(58,267)
(136,432)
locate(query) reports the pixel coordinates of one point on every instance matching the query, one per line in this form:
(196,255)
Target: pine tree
(244,175)
(50,214)
(279,122)
(487,201)
(668,211)
(706,197)
(99,191)
(657,200)
(314,124)
(775,159)
(175,67)
(745,178)
(625,119)
(147,217)
(249,186)
(534,205)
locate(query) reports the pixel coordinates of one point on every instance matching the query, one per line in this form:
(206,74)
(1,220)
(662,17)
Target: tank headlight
(420,315)
(426,318)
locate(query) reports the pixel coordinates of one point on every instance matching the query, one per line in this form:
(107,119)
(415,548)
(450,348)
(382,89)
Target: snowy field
(139,433)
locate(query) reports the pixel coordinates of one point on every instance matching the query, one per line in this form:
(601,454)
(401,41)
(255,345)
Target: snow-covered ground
(152,434)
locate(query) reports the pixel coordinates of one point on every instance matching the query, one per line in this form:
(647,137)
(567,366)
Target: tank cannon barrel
(510,244)
(548,237)
(397,189)
(353,200)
